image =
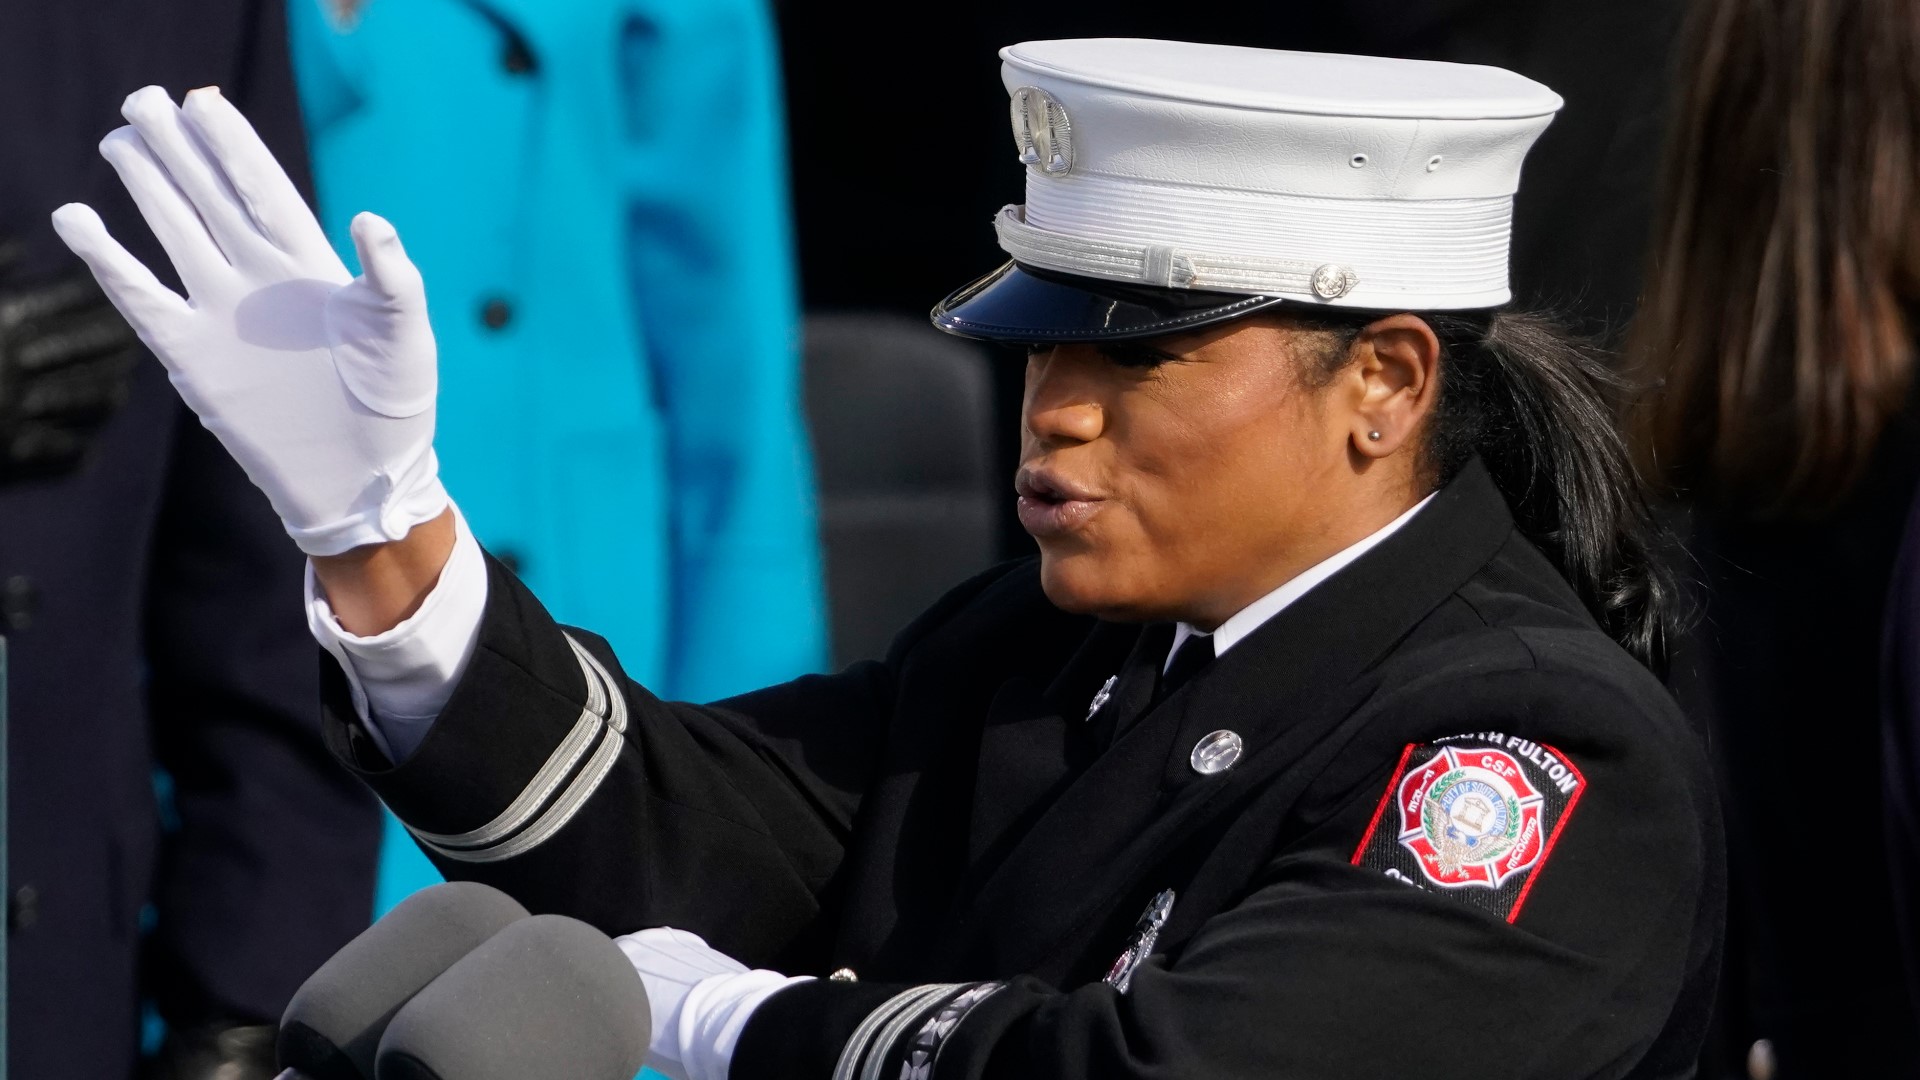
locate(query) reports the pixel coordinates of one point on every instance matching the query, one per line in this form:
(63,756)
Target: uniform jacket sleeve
(552,776)
(711,259)
(1327,967)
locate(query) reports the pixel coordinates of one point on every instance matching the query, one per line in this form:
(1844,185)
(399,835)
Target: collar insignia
(1100,696)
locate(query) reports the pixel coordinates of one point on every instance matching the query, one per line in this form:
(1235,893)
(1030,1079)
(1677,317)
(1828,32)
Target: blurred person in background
(597,190)
(144,589)
(1900,740)
(1778,339)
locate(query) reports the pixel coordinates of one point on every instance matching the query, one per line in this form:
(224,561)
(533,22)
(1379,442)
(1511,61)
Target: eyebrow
(1121,350)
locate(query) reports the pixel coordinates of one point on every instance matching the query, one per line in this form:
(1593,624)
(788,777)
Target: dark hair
(1774,335)
(1539,407)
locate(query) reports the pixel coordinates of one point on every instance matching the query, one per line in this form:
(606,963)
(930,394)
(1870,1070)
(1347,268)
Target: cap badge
(1333,281)
(1042,131)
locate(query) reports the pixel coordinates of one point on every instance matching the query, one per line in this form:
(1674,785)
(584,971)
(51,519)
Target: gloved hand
(320,384)
(65,358)
(700,999)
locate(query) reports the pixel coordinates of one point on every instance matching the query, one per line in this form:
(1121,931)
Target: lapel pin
(1216,753)
(1100,696)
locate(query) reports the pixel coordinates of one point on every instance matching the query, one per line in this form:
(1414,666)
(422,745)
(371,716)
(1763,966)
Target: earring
(1373,436)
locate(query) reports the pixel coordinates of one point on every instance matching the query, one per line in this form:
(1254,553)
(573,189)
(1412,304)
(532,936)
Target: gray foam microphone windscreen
(332,1027)
(548,998)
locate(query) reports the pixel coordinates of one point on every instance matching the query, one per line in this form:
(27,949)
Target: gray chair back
(901,417)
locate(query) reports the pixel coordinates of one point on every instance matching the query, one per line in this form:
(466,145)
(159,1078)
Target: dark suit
(1785,671)
(1441,708)
(151,607)
(1900,744)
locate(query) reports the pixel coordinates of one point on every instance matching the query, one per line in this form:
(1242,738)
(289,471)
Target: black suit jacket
(1900,743)
(949,816)
(150,602)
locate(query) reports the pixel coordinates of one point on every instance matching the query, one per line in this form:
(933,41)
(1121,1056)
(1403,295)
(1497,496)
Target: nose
(1062,402)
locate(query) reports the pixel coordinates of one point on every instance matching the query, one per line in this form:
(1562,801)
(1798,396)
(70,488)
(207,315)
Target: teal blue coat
(595,191)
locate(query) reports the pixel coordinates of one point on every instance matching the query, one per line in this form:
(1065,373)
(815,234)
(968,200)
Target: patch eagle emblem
(1473,815)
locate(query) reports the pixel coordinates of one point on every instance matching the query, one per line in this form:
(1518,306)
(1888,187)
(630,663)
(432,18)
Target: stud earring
(1373,436)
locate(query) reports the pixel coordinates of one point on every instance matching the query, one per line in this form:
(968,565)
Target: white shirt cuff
(401,679)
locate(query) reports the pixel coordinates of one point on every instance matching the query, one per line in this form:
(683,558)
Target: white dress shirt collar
(1250,618)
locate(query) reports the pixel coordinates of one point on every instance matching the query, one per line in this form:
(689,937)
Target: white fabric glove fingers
(700,1000)
(386,304)
(140,297)
(648,962)
(676,956)
(384,262)
(715,1014)
(702,959)
(174,222)
(262,185)
(258,351)
(154,115)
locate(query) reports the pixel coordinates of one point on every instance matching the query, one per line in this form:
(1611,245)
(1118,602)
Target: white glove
(700,999)
(320,384)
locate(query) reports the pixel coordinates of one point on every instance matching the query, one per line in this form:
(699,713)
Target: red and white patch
(1473,815)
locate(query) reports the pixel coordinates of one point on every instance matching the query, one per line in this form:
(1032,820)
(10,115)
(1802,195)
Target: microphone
(548,998)
(332,1027)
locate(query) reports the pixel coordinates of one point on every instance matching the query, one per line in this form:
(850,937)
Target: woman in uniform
(1319,740)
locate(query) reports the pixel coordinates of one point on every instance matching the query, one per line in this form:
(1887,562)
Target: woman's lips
(1043,519)
(1050,506)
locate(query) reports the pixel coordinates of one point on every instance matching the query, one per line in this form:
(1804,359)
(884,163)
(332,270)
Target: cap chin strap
(1153,264)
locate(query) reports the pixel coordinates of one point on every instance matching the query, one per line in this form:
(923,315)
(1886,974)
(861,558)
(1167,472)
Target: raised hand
(320,384)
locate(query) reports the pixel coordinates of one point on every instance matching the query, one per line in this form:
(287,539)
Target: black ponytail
(1540,407)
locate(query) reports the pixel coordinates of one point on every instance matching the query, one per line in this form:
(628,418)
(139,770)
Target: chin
(1082,583)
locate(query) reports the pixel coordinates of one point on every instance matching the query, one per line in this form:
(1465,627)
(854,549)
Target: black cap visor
(1022,305)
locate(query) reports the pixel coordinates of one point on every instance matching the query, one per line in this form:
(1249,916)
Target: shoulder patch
(1473,815)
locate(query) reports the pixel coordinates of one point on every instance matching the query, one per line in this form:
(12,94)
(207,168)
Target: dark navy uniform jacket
(150,604)
(1464,835)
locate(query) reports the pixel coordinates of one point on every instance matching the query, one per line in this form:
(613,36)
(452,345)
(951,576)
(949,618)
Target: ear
(1396,362)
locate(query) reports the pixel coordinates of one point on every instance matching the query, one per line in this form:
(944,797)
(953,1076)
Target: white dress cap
(1353,181)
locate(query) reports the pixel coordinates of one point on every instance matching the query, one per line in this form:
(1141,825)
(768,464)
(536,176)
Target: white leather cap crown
(1354,181)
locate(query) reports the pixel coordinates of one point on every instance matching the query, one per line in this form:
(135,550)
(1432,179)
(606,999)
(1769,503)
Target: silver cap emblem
(1101,695)
(1216,753)
(1333,281)
(1042,131)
